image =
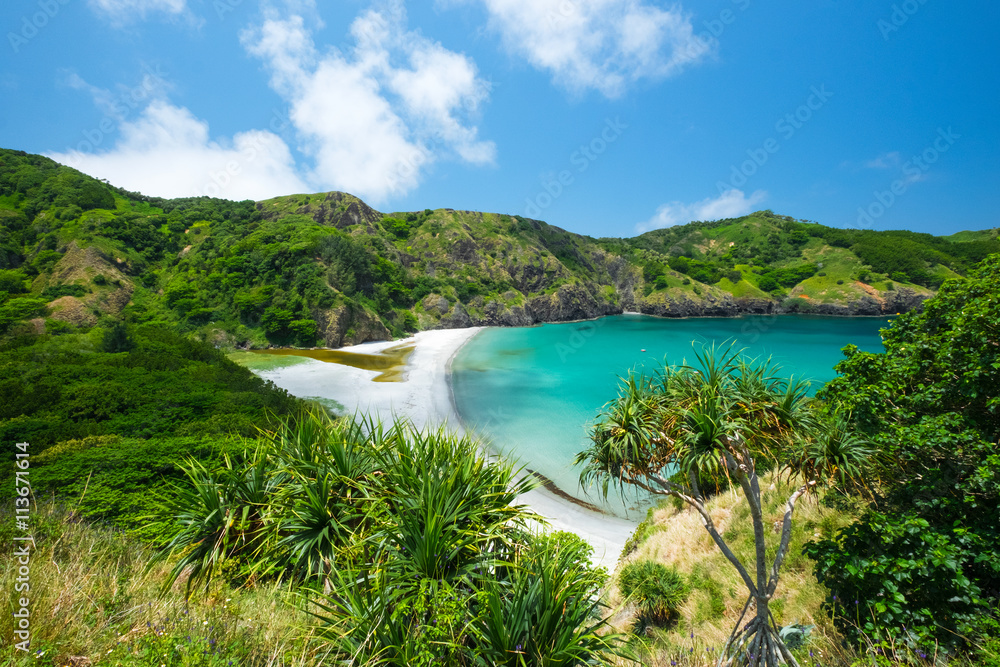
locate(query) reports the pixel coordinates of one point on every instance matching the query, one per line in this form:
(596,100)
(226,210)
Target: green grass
(743,289)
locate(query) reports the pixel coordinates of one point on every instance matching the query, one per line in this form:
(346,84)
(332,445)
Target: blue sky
(604,117)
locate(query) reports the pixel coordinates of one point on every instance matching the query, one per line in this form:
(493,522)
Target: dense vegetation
(772,251)
(907,560)
(923,563)
(141,382)
(409,543)
(732,418)
(327,269)
(111,413)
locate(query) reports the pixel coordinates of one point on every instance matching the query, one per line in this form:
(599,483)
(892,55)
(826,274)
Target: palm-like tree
(724,417)
(415,539)
(448,508)
(221,515)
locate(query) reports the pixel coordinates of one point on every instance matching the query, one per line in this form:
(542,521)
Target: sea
(533,393)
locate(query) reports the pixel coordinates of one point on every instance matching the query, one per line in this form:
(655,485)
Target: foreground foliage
(731,418)
(657,590)
(922,566)
(410,543)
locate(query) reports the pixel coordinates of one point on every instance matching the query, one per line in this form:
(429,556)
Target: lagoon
(534,392)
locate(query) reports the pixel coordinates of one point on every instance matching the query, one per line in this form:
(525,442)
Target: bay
(534,392)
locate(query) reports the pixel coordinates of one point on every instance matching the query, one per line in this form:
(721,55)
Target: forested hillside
(326,269)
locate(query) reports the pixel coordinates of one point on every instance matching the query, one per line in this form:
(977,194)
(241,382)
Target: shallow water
(534,392)
(391,361)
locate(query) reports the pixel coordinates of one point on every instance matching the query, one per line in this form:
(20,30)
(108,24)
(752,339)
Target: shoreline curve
(424,396)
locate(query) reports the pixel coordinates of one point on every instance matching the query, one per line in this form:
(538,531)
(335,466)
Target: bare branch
(786,535)
(710,527)
(751,489)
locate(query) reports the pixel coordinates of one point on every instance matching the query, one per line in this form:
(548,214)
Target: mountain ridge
(328,269)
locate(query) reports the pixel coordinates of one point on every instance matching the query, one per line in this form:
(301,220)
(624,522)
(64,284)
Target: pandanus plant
(725,417)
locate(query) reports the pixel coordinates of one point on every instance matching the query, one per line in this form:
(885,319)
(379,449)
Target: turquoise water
(533,392)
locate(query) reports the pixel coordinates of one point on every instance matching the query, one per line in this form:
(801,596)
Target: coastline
(424,396)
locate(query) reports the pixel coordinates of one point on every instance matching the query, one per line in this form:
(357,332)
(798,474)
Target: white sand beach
(424,396)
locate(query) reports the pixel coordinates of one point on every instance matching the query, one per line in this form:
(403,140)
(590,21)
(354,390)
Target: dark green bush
(657,590)
(922,562)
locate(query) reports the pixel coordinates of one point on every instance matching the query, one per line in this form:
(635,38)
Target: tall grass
(677,539)
(95,600)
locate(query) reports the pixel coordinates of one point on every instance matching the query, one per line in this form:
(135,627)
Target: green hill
(327,269)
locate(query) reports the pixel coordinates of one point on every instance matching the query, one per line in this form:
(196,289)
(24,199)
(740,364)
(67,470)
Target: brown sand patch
(73,311)
(80,265)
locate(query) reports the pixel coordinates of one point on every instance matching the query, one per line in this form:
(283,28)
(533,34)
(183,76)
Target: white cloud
(600,44)
(119,104)
(375,116)
(372,119)
(894,161)
(729,204)
(167,152)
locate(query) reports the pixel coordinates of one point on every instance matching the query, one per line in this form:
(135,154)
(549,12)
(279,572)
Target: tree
(922,562)
(728,417)
(117,339)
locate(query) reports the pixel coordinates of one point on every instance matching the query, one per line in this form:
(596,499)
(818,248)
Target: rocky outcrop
(890,303)
(570,302)
(584,302)
(345,325)
(902,301)
(108,287)
(495,314)
(337,209)
(710,306)
(435,304)
(457,318)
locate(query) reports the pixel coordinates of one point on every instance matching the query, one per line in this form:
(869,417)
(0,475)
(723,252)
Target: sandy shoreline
(425,398)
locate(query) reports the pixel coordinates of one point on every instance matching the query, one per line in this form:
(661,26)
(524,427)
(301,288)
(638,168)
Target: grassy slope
(678,538)
(93,596)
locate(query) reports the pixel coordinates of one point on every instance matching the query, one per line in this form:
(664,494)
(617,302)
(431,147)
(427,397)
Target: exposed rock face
(435,304)
(496,314)
(80,266)
(886,303)
(338,209)
(73,311)
(570,302)
(346,326)
(464,251)
(711,306)
(583,302)
(458,318)
(903,300)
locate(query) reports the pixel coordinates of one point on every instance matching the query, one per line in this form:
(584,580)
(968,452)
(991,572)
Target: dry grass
(678,538)
(95,601)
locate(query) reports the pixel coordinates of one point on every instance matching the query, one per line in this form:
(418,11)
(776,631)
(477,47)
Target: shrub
(657,590)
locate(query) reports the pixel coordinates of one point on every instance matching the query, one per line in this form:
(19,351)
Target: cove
(534,392)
